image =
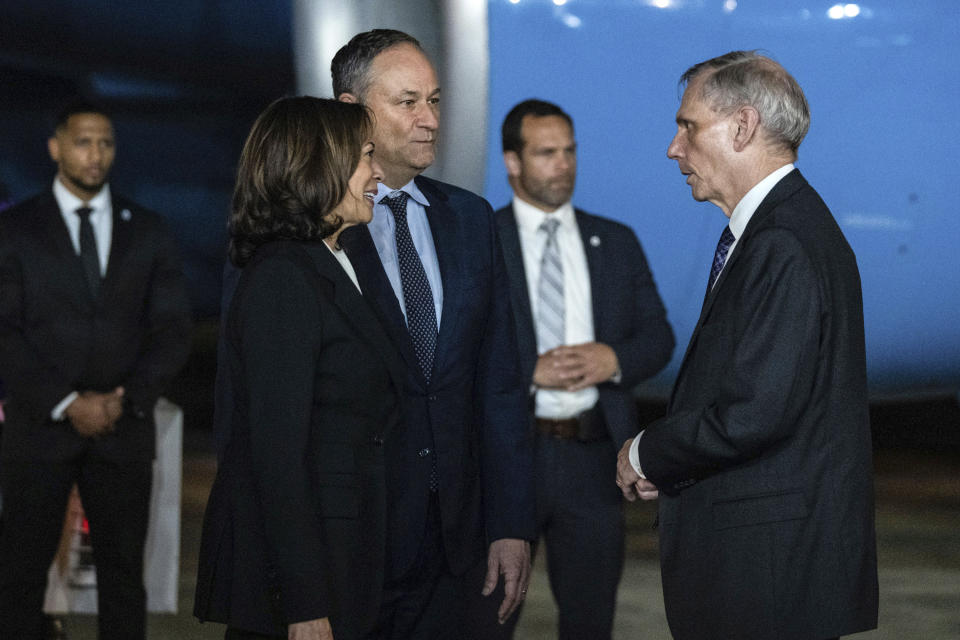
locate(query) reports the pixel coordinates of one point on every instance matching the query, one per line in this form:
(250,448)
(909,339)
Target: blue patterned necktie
(417,294)
(550,307)
(88,251)
(720,256)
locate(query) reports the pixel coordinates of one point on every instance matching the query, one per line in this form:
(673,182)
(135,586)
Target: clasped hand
(629,481)
(575,367)
(94,414)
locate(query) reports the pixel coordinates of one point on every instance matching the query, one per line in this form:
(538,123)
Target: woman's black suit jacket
(295,524)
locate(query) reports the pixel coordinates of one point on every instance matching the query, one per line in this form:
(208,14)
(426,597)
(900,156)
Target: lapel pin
(125,215)
(594,241)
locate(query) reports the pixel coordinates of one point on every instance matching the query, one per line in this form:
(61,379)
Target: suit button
(432,398)
(423,453)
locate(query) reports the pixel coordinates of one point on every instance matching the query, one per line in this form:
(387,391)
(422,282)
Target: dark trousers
(429,602)
(580,519)
(116,501)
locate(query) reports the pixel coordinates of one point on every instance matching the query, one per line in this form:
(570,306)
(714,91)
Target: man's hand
(94,414)
(510,558)
(575,367)
(318,629)
(629,481)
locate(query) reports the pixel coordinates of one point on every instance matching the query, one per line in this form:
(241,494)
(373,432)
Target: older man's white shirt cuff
(635,455)
(61,408)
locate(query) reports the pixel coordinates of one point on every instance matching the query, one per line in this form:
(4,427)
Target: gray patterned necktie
(88,251)
(417,294)
(550,309)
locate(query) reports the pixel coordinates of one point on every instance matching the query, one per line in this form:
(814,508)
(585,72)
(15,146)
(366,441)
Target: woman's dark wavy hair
(293,172)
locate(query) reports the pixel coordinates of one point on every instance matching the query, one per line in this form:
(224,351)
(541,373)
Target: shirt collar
(748,204)
(411,189)
(529,217)
(70,203)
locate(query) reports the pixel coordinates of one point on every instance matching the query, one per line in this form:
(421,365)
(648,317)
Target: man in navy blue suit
(459,468)
(590,326)
(763,463)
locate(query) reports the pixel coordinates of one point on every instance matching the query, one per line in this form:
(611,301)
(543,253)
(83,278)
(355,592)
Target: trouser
(116,501)
(580,519)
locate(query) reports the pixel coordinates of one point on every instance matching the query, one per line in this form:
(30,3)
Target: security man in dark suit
(763,463)
(94,321)
(460,510)
(590,326)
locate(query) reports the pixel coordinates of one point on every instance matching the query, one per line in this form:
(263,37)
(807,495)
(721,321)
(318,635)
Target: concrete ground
(918,533)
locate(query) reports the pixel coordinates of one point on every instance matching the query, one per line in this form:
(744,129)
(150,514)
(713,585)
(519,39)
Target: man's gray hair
(742,78)
(350,68)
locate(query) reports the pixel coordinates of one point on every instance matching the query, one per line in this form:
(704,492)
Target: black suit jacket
(295,526)
(56,338)
(628,314)
(473,411)
(764,459)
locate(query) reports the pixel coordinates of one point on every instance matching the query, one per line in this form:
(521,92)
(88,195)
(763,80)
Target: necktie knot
(550,226)
(84,212)
(397,203)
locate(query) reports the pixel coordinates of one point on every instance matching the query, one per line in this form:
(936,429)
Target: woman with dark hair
(294,533)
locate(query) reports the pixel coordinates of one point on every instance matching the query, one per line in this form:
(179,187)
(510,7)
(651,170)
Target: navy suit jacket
(55,337)
(764,458)
(473,411)
(628,314)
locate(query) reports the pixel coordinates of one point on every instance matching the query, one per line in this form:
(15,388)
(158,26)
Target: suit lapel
(519,293)
(787,186)
(443,227)
(378,291)
(357,310)
(121,239)
(593,249)
(58,235)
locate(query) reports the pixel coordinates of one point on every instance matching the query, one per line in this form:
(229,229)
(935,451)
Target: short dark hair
(293,172)
(510,131)
(74,106)
(350,68)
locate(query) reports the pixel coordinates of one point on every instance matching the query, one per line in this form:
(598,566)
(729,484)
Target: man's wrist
(635,455)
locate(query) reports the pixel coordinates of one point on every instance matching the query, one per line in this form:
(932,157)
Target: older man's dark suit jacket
(55,338)
(473,411)
(628,315)
(295,527)
(764,459)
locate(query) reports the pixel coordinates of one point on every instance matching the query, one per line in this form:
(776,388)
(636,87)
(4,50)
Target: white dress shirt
(577,300)
(101,219)
(344,261)
(739,220)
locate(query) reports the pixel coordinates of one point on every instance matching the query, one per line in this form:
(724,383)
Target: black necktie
(720,256)
(88,251)
(417,294)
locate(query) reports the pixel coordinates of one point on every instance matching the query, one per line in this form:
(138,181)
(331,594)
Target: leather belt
(565,429)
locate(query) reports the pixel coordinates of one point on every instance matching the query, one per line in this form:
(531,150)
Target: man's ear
(747,120)
(512,162)
(347,97)
(53,147)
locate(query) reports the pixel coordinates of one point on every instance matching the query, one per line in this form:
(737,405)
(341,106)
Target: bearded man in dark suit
(94,321)
(763,463)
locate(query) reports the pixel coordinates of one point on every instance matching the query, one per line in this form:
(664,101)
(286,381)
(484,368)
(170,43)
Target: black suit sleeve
(37,383)
(279,332)
(648,348)
(166,342)
(756,362)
